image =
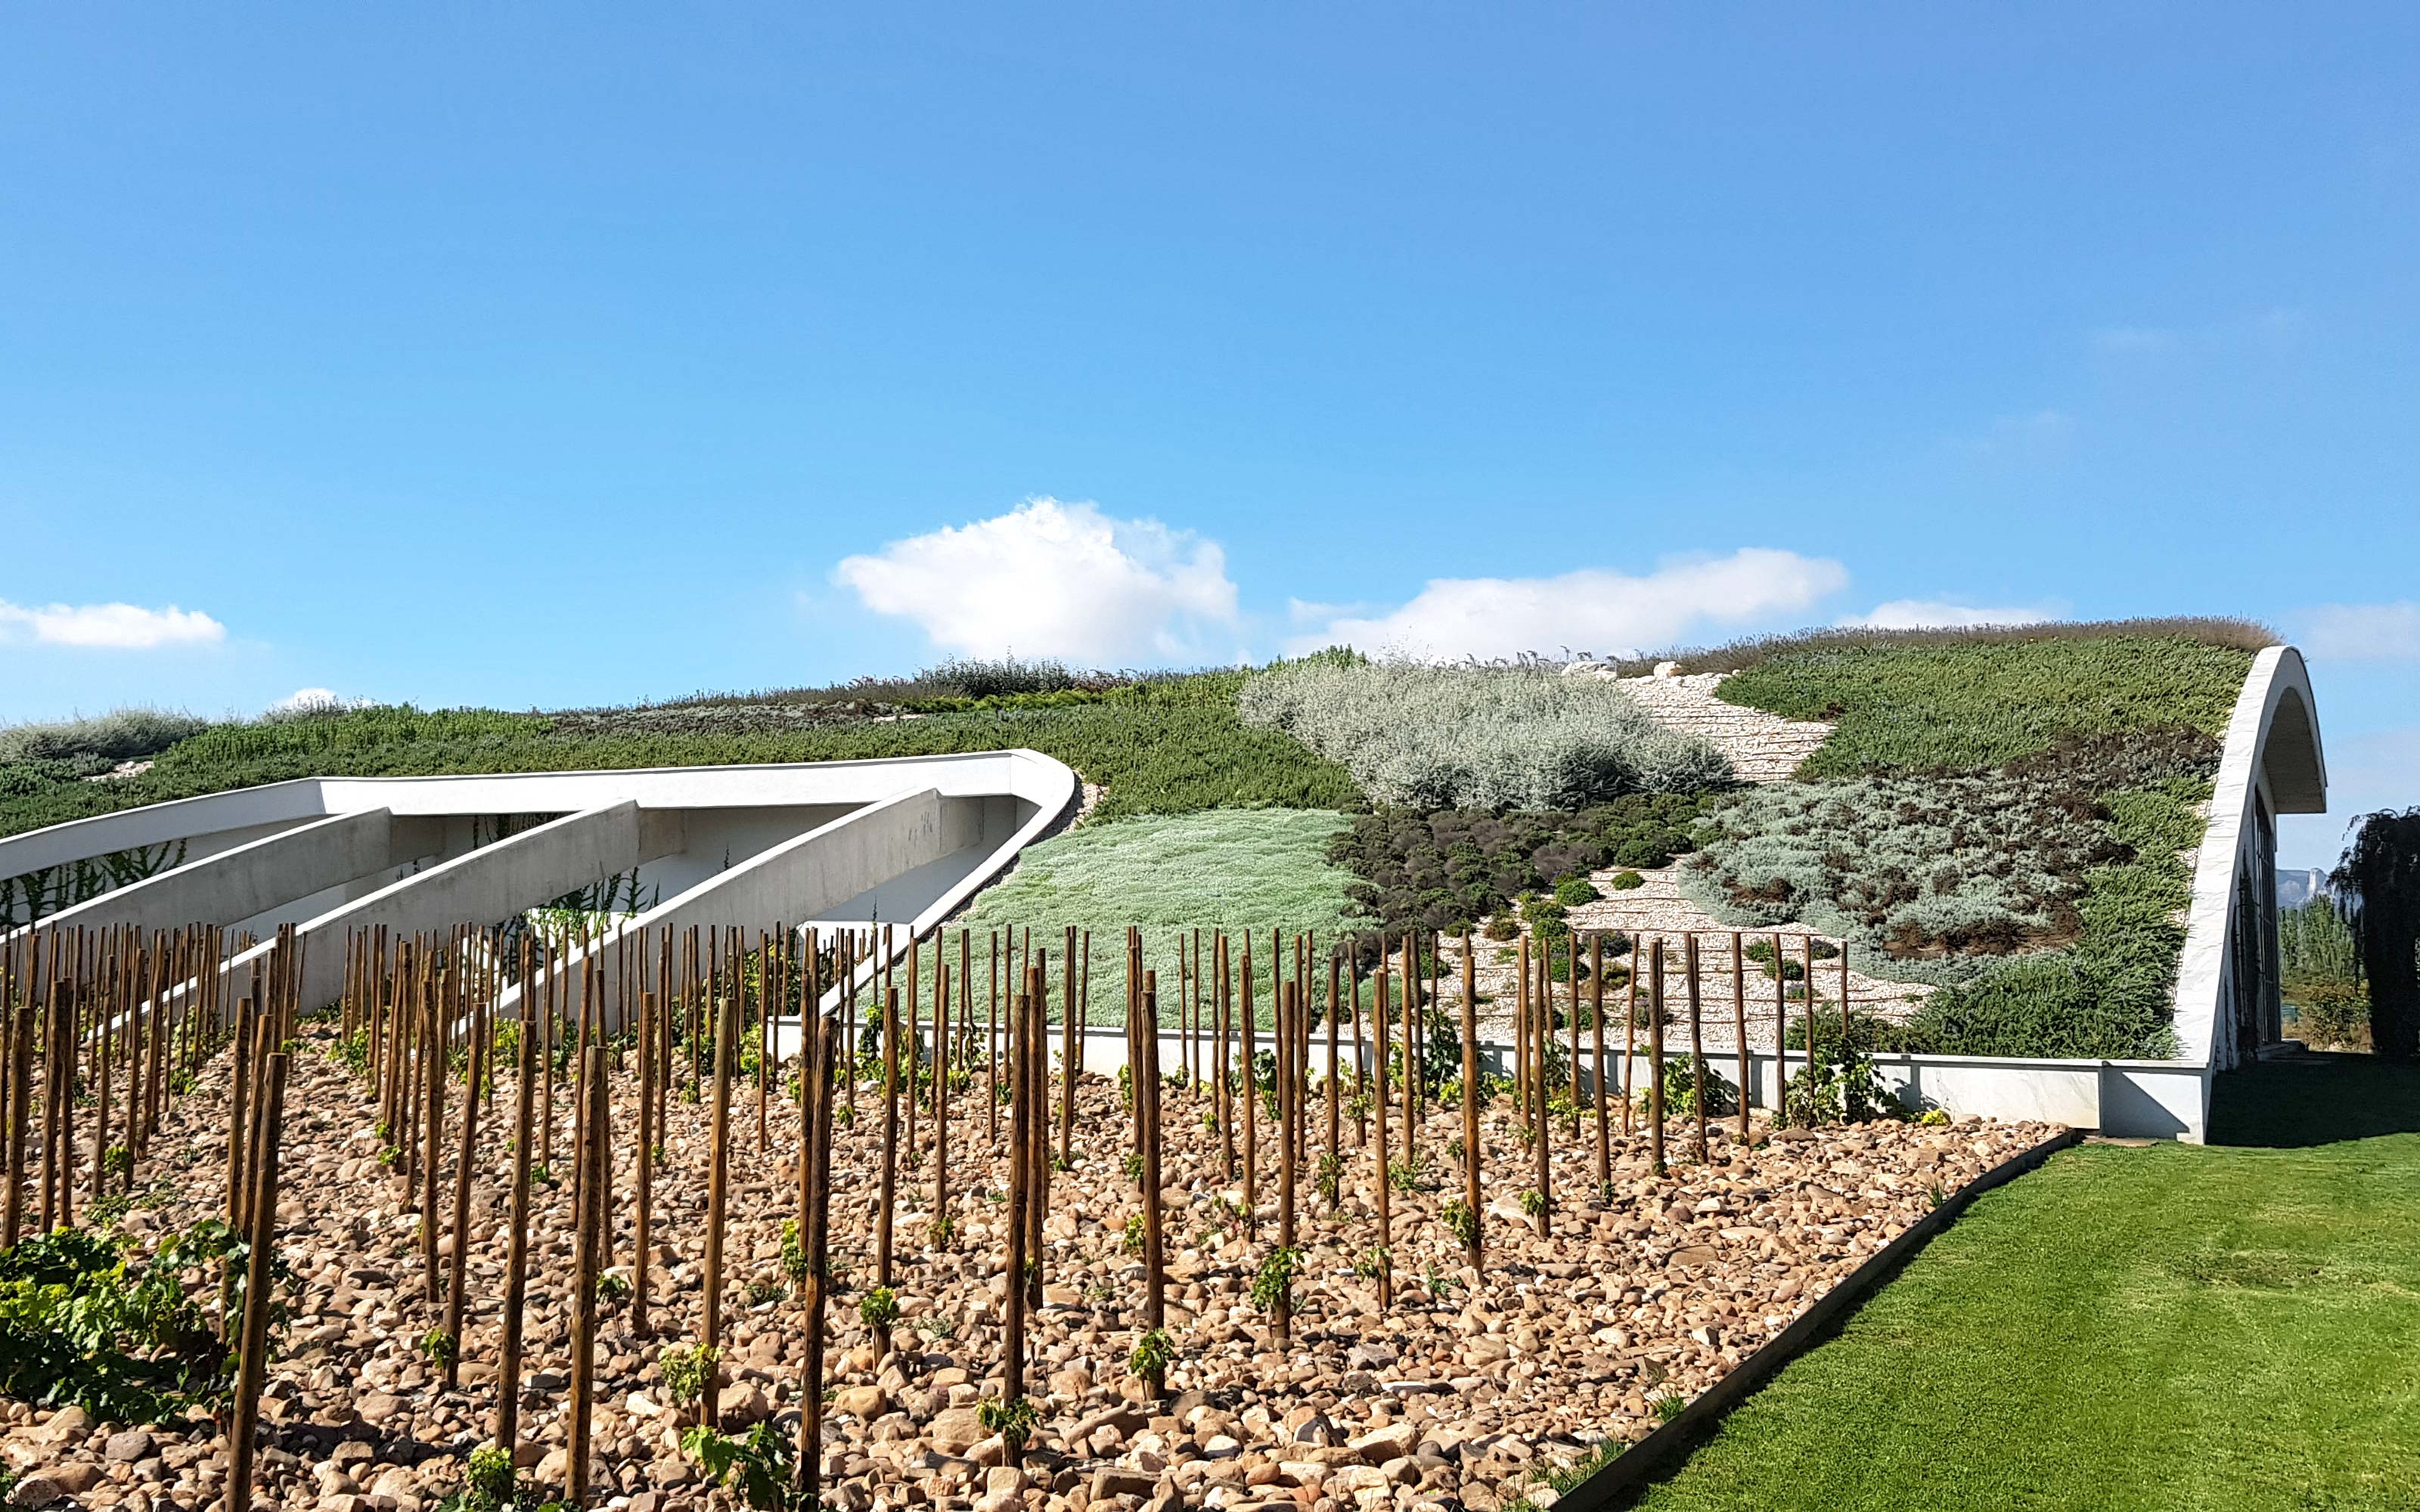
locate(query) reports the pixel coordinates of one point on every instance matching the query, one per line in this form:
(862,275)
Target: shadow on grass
(2311,1099)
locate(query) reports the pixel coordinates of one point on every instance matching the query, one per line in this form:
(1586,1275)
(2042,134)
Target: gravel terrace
(1453,1398)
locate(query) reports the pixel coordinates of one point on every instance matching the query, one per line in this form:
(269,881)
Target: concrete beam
(256,877)
(488,885)
(795,880)
(159,824)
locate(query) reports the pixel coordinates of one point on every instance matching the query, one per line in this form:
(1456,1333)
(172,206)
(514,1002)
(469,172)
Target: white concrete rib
(857,825)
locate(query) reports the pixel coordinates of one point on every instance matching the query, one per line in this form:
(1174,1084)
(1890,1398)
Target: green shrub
(759,1467)
(1626,881)
(1680,1091)
(1574,891)
(1434,737)
(2110,995)
(81,1323)
(89,746)
(1153,1354)
(878,1308)
(1273,1283)
(1448,869)
(1938,874)
(489,1482)
(686,1369)
(2330,1012)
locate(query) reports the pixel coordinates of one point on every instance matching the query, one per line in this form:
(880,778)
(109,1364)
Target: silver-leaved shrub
(1934,876)
(1434,736)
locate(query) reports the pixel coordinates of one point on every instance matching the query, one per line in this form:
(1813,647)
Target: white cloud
(1594,610)
(1052,580)
(117,626)
(313,700)
(1936,613)
(2364,632)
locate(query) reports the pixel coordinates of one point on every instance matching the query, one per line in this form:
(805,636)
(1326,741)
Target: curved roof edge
(2272,747)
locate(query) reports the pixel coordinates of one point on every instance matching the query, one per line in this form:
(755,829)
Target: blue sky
(545,355)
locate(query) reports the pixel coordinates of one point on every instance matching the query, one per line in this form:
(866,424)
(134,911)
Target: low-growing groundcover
(1926,707)
(2176,1329)
(1172,745)
(1226,869)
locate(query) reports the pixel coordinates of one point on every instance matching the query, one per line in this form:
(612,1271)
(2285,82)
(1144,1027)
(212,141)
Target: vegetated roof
(1738,656)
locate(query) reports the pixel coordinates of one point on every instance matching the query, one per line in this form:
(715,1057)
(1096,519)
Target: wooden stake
(645,1238)
(816,1055)
(1630,1039)
(1697,1046)
(1020,1160)
(21,1067)
(1470,1140)
(1252,1099)
(508,1346)
(1155,1252)
(252,1360)
(458,1269)
(1541,1123)
(1656,1057)
(1335,999)
(581,1409)
(1739,1026)
(726,1052)
(1284,1026)
(1378,1016)
(1596,1064)
(882,1220)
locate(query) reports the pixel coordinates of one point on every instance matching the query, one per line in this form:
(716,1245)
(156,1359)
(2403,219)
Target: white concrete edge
(1050,793)
(155,823)
(1016,770)
(572,966)
(118,899)
(2201,971)
(337,919)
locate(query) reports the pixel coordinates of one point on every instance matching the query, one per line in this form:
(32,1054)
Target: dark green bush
(1447,868)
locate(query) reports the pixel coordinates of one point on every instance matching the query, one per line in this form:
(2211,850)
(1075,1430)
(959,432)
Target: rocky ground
(1640,1293)
(1654,910)
(1762,748)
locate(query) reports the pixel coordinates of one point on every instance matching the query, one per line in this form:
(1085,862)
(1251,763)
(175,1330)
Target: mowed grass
(1231,870)
(2167,1328)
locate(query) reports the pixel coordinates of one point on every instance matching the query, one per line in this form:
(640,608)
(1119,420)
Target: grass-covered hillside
(2000,815)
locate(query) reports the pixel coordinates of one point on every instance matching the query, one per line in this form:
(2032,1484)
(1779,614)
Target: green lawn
(2231,1327)
(1223,869)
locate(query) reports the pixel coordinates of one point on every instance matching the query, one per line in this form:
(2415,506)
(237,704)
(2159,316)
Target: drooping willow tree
(2377,887)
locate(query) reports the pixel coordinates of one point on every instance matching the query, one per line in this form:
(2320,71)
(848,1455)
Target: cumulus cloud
(1595,608)
(115,626)
(1052,580)
(315,701)
(1936,613)
(2364,632)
